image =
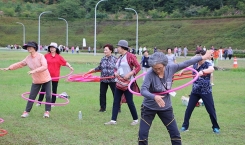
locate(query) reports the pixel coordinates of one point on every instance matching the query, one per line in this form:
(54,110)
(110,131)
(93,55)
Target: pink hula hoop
(86,77)
(56,104)
(1,120)
(168,91)
(60,77)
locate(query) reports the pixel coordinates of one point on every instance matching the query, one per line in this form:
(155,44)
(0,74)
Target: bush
(176,14)
(203,11)
(9,12)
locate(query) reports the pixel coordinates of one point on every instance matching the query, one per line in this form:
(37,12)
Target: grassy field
(63,126)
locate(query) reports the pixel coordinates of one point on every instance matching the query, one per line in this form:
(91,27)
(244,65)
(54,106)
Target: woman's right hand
(5,69)
(90,71)
(159,100)
(116,74)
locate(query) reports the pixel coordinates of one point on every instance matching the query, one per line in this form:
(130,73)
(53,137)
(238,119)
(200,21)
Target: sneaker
(216,131)
(134,122)
(212,84)
(110,123)
(25,114)
(46,114)
(183,129)
(38,104)
(102,110)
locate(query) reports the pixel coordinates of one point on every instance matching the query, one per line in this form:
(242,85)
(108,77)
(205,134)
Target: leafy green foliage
(156,9)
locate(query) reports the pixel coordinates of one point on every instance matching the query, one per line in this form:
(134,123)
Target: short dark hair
(57,50)
(145,51)
(202,52)
(168,49)
(111,48)
(125,48)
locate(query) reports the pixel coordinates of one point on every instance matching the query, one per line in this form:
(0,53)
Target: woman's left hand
(71,68)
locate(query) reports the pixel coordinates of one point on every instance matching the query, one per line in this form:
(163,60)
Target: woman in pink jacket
(40,76)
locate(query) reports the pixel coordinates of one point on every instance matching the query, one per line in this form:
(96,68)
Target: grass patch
(63,127)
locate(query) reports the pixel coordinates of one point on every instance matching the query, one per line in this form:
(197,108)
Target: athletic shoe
(25,114)
(216,131)
(212,84)
(134,122)
(38,104)
(102,110)
(111,123)
(46,114)
(183,129)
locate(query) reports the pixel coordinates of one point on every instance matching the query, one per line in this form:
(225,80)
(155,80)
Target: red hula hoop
(56,104)
(168,91)
(2,131)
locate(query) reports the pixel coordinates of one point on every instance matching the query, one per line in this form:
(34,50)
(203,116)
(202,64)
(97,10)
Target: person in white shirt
(77,49)
(140,51)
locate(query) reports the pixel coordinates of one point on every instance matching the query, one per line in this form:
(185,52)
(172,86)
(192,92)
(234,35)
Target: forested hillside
(114,9)
(159,23)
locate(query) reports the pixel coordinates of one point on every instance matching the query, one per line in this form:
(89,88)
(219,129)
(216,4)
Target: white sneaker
(212,84)
(25,114)
(111,123)
(135,122)
(46,114)
(38,104)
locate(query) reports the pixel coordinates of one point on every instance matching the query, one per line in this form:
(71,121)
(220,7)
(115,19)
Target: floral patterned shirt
(107,66)
(202,84)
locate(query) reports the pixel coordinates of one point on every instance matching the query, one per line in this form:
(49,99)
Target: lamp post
(66,30)
(24,37)
(39,28)
(95,25)
(136,26)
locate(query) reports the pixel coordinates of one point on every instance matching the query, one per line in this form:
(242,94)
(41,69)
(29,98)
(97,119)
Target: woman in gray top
(159,79)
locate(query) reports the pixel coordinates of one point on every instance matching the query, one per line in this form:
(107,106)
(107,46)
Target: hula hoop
(168,91)
(60,77)
(1,120)
(86,77)
(2,131)
(55,104)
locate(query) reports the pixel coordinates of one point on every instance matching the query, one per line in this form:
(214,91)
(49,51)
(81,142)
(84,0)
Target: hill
(165,33)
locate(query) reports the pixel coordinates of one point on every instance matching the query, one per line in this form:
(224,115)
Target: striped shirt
(36,63)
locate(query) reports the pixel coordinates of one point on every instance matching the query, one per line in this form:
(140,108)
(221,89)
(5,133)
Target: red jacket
(135,66)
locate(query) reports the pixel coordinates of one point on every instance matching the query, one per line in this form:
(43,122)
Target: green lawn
(63,126)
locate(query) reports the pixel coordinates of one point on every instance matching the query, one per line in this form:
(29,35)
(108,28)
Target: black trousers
(209,105)
(54,90)
(103,90)
(167,117)
(229,55)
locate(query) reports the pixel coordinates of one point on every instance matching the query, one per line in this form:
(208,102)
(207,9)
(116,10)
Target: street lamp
(66,30)
(24,37)
(39,28)
(95,25)
(136,26)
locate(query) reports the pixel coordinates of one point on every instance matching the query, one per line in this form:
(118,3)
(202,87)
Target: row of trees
(114,9)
